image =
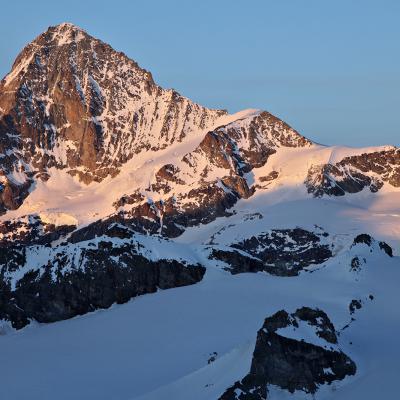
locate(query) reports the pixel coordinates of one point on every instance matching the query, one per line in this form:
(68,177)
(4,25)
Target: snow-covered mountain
(280,255)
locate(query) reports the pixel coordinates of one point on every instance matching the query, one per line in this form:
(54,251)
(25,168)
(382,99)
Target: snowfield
(157,346)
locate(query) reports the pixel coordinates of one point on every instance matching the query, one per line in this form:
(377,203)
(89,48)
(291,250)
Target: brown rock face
(73,102)
(353,174)
(250,142)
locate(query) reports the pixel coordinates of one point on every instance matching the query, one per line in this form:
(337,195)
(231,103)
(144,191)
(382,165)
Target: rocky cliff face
(71,101)
(282,252)
(45,279)
(293,364)
(354,173)
(76,281)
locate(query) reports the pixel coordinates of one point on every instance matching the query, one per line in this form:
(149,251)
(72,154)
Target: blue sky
(331,69)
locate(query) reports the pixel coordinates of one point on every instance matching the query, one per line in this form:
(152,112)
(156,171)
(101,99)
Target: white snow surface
(157,346)
(65,194)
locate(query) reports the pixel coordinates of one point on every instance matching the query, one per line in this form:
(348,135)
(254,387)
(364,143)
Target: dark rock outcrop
(353,174)
(31,230)
(289,363)
(283,252)
(364,238)
(355,264)
(355,305)
(74,283)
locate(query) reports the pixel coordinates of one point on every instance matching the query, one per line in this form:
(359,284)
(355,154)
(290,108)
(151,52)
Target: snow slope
(66,194)
(157,346)
(64,199)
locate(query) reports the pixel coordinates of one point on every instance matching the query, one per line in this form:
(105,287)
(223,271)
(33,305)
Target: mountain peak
(74,100)
(64,33)
(50,41)
(66,26)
